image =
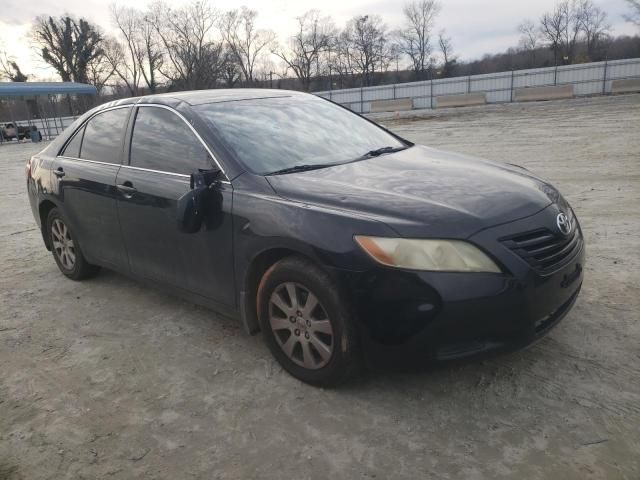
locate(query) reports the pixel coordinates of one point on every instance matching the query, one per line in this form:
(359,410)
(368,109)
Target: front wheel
(307,323)
(65,248)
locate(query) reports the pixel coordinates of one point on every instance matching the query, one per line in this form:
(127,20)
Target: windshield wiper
(381,151)
(301,168)
(315,166)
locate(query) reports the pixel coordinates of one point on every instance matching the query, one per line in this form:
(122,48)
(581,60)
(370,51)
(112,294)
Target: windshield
(274,134)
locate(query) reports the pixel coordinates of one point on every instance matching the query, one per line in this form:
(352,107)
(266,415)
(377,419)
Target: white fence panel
(587,79)
(620,69)
(417,89)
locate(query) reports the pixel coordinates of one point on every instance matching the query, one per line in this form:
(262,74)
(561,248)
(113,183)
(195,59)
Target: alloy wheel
(301,326)
(63,244)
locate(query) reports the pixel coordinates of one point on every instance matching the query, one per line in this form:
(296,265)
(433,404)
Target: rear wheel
(307,323)
(66,250)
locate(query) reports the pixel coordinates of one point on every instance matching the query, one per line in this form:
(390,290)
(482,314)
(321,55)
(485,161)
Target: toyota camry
(328,233)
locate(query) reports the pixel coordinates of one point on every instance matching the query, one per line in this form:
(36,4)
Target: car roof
(199,97)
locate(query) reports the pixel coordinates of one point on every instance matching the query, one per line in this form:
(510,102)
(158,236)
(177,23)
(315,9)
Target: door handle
(127,189)
(59,172)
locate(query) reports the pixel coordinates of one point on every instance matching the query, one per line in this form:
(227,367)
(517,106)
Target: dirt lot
(111,379)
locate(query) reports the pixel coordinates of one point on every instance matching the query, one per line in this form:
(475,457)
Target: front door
(164,151)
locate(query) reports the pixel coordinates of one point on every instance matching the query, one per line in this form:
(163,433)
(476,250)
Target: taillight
(28,169)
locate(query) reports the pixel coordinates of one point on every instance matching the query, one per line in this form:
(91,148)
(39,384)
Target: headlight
(437,255)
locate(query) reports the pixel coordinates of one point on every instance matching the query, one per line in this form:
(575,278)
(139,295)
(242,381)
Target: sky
(476,27)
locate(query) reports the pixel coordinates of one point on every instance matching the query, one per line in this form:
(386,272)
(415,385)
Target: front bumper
(453,315)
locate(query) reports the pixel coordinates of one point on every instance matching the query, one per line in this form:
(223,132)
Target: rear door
(84,179)
(164,150)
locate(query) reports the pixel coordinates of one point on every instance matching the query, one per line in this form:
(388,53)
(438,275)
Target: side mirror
(191,207)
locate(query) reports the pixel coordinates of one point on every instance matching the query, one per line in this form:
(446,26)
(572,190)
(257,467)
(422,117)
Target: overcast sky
(476,27)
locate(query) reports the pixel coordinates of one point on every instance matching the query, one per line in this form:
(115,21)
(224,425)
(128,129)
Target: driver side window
(162,141)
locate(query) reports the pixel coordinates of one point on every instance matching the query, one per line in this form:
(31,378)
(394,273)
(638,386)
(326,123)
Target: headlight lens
(436,255)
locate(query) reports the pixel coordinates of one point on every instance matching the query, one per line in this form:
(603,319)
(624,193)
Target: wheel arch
(253,275)
(44,208)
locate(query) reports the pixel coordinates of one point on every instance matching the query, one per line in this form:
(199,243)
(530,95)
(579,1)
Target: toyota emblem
(564,223)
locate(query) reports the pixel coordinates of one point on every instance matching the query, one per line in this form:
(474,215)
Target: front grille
(544,250)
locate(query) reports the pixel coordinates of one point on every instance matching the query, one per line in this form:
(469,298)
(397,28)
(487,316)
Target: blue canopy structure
(48,107)
(18,89)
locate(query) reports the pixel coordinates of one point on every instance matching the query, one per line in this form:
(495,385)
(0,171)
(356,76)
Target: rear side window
(73,147)
(102,139)
(162,141)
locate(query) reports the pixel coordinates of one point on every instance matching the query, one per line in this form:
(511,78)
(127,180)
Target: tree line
(197,46)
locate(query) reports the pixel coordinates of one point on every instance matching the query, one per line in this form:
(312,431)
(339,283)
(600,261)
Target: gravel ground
(111,379)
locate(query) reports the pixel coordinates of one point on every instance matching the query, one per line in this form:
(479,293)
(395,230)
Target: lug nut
(306,334)
(297,332)
(292,319)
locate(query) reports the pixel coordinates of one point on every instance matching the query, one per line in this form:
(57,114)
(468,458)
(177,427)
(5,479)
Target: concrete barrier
(463,100)
(391,105)
(530,94)
(625,86)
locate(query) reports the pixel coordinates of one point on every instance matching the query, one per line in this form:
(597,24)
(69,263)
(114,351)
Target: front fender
(268,227)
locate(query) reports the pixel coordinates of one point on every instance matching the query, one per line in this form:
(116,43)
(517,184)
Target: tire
(315,344)
(66,250)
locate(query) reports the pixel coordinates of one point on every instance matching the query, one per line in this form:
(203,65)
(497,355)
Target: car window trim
(157,105)
(83,128)
(124,166)
(90,161)
(157,171)
(78,132)
(193,130)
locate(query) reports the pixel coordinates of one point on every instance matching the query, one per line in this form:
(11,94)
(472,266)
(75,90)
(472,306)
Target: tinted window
(102,139)
(163,141)
(270,134)
(73,147)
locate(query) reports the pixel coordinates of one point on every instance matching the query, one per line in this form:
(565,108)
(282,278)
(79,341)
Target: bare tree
(395,55)
(364,40)
(153,54)
(529,38)
(9,69)
(244,39)
(561,29)
(315,36)
(593,22)
(68,44)
(552,27)
(141,48)
(128,64)
(339,59)
(634,15)
(231,72)
(574,28)
(448,57)
(195,58)
(103,68)
(414,39)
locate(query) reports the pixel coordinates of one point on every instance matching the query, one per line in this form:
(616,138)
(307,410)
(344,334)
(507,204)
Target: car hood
(423,192)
